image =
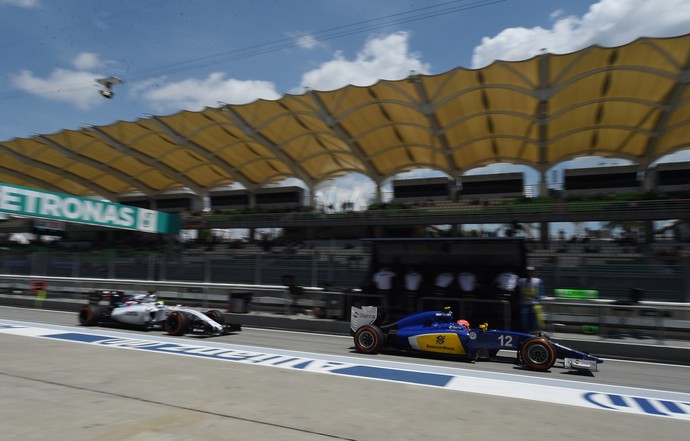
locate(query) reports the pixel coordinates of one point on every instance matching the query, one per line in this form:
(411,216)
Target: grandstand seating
(426,189)
(672,177)
(601,180)
(136,202)
(229,199)
(177,202)
(280,197)
(491,186)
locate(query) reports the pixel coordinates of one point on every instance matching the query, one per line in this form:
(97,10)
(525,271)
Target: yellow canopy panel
(631,101)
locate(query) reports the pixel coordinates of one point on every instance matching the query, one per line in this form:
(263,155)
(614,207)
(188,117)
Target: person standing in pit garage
(383,281)
(413,279)
(531,292)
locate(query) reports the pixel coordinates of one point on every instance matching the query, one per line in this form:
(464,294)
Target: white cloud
(76,87)
(87,60)
(607,23)
(305,41)
(594,161)
(555,14)
(385,57)
(682,156)
(193,94)
(62,85)
(20,3)
(354,187)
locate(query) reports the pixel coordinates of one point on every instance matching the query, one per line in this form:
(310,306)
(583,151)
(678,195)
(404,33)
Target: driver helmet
(464,323)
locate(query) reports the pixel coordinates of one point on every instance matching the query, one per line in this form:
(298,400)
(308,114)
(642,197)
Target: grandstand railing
(538,208)
(611,268)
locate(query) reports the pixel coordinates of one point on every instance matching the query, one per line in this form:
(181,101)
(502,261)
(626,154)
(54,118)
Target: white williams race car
(145,311)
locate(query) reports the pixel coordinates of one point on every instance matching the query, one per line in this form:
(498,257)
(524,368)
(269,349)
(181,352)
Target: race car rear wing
(106,295)
(366,315)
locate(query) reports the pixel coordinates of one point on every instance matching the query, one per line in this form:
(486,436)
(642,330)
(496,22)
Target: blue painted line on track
(423,378)
(608,397)
(74,336)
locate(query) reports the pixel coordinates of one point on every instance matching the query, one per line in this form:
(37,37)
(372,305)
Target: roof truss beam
(234,173)
(345,137)
(426,108)
(673,100)
(151,162)
(259,138)
(97,189)
(138,185)
(40,183)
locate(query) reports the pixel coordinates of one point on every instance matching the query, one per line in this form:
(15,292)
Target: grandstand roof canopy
(631,102)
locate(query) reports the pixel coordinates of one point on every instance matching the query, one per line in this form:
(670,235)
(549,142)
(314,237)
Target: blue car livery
(438,332)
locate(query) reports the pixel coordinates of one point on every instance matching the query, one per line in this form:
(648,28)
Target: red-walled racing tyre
(89,315)
(216,315)
(537,354)
(176,323)
(369,339)
(541,334)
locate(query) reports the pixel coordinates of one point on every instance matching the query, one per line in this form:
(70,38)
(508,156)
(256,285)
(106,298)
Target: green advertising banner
(48,205)
(577,293)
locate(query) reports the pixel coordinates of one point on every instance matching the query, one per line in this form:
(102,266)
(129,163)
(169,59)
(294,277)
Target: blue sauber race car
(437,332)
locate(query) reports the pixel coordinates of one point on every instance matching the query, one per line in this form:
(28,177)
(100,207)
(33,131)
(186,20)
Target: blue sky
(178,54)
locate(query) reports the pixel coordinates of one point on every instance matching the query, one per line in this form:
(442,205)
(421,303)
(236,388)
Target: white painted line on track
(651,363)
(34,309)
(286,331)
(594,396)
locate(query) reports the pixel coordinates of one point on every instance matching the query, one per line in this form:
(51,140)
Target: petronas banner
(48,205)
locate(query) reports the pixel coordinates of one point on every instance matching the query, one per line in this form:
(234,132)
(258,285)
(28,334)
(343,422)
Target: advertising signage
(61,207)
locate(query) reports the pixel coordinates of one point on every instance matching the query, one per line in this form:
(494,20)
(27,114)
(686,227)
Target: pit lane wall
(622,331)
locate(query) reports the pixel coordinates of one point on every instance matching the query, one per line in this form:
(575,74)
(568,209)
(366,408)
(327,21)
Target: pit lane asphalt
(63,391)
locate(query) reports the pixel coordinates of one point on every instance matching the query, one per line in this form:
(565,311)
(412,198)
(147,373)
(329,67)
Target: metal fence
(308,267)
(613,275)
(603,208)
(602,318)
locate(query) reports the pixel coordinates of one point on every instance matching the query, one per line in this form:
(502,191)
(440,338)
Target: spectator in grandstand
(531,291)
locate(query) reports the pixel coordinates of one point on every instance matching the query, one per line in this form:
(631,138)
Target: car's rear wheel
(176,323)
(216,315)
(537,354)
(369,339)
(89,315)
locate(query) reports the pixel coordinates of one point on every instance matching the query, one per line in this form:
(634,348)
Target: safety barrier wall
(616,320)
(664,279)
(604,319)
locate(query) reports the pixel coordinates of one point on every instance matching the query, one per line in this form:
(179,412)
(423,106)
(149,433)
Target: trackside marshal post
(48,205)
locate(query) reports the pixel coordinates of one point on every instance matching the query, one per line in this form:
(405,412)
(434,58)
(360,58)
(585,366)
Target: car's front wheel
(369,339)
(216,315)
(176,323)
(537,354)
